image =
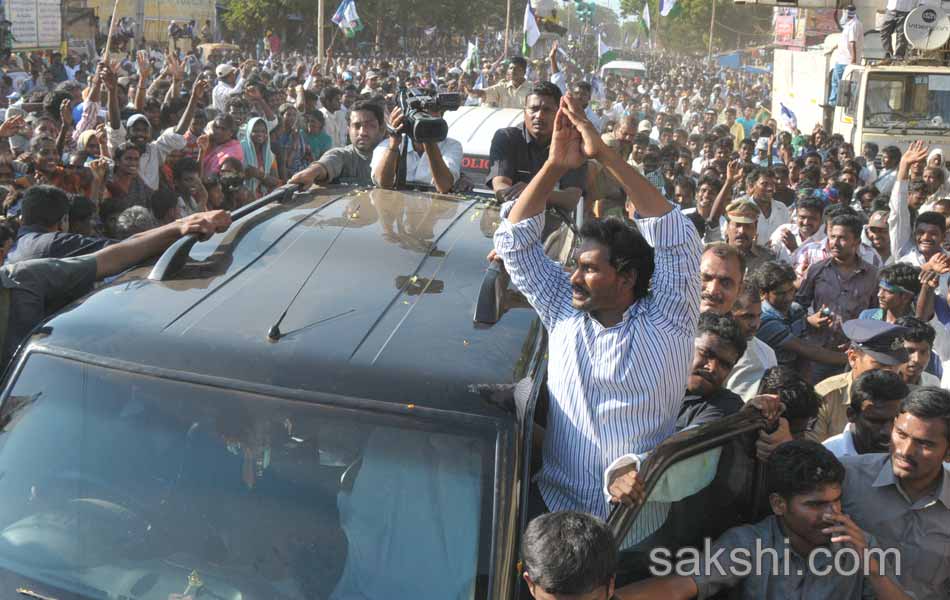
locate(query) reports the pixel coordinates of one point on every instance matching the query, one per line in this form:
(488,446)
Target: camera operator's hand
(396,119)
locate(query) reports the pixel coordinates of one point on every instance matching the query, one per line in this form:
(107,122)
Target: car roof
(388,283)
(475,126)
(623,65)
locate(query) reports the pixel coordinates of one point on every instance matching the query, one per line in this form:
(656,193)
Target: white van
(626,68)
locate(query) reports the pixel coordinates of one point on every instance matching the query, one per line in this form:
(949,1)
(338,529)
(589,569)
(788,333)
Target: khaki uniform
(505,95)
(833,413)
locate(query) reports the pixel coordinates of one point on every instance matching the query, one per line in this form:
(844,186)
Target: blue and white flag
(346,18)
(480,82)
(787,118)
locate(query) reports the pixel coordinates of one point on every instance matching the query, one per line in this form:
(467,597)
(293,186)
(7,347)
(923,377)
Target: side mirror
(490,304)
(844,94)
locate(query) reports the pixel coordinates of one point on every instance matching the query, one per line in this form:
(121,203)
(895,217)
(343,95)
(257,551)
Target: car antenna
(274,334)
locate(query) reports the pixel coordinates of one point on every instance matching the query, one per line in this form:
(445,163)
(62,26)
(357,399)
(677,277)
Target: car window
(123,485)
(694,498)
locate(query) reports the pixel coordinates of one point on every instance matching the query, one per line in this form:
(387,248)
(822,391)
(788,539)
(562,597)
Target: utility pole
(320,19)
(507,26)
(712,26)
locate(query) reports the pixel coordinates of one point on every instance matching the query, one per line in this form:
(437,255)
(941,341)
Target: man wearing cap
(371,82)
(763,154)
(230,81)
(511,93)
(873,345)
(742,216)
(138,131)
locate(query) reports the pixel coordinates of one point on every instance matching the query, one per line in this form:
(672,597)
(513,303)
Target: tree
(689,30)
(389,21)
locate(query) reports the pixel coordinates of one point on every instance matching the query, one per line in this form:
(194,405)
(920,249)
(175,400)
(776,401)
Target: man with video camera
(440,168)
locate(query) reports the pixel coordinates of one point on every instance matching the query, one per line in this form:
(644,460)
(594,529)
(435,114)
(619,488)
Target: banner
(35,24)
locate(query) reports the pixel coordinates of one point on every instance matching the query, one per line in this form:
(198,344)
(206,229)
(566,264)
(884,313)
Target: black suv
(302,407)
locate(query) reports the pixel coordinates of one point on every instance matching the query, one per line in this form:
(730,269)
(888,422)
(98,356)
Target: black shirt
(699,410)
(37,289)
(36,242)
(518,156)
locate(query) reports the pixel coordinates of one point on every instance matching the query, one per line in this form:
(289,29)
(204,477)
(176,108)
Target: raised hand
(12,126)
(733,171)
(565,152)
(939,263)
(66,113)
(200,88)
(592,145)
(99,168)
(916,152)
(144,68)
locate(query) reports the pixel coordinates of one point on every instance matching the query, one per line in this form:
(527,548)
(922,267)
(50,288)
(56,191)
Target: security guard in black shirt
(517,153)
(32,290)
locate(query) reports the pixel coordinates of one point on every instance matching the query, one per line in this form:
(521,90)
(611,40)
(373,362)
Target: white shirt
(779,248)
(223,91)
(151,161)
(853,31)
(417,165)
(843,443)
(336,126)
(767,225)
(751,366)
(615,392)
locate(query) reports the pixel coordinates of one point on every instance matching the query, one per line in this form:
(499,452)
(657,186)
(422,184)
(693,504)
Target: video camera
(418,122)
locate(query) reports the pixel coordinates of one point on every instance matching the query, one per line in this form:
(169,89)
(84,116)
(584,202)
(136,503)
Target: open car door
(704,480)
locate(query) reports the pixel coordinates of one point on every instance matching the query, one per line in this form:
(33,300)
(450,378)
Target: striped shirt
(613,391)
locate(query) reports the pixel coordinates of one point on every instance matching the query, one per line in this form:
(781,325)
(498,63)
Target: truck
(878,102)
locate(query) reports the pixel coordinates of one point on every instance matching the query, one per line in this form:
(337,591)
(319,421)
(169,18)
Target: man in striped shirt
(620,344)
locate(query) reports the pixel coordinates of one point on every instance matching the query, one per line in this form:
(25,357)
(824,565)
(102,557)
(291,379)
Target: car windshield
(907,100)
(120,485)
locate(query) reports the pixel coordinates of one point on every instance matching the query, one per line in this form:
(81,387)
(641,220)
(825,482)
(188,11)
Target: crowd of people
(725,259)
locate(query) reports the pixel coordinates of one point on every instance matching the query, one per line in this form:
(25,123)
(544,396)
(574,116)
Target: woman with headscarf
(936,160)
(260,166)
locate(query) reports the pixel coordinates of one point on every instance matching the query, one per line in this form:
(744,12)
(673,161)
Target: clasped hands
(575,139)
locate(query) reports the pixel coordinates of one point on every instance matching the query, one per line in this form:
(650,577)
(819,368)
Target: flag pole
(712,25)
(507,26)
(320,19)
(115,9)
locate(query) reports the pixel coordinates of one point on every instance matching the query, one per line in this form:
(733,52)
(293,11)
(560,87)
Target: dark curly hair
(772,274)
(628,249)
(724,327)
(801,467)
(799,397)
